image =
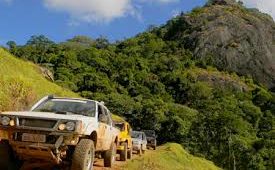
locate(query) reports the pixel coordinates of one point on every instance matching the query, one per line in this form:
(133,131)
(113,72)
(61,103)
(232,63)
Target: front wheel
(5,154)
(155,146)
(130,153)
(140,151)
(83,156)
(7,158)
(123,153)
(110,156)
(143,151)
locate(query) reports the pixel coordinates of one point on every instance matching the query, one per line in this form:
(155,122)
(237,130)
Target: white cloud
(7,1)
(266,6)
(157,1)
(166,1)
(175,13)
(99,10)
(92,10)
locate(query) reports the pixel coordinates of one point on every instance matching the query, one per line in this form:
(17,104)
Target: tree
(11,45)
(82,40)
(101,42)
(39,40)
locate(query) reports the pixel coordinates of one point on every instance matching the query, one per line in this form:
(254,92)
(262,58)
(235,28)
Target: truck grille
(38,123)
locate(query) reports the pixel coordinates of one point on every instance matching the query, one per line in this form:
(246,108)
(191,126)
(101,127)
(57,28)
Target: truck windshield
(120,126)
(136,135)
(150,133)
(68,106)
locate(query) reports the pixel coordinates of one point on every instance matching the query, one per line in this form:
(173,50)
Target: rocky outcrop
(47,73)
(232,37)
(222,2)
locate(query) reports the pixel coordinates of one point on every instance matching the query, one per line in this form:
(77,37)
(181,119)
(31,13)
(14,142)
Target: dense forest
(157,82)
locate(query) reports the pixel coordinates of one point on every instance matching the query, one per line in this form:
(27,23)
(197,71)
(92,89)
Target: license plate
(26,137)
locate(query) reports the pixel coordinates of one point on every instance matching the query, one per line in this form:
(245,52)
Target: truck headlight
(12,123)
(70,126)
(5,120)
(62,127)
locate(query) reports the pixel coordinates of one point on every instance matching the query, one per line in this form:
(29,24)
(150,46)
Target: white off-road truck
(60,130)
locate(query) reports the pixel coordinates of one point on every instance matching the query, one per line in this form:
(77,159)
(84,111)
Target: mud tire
(139,152)
(8,160)
(123,153)
(83,156)
(130,153)
(110,156)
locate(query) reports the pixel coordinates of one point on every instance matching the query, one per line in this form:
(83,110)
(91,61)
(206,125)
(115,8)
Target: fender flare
(93,137)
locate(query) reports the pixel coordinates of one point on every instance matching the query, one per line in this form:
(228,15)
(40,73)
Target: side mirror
(103,118)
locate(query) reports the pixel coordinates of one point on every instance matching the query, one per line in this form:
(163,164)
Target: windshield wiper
(42,110)
(65,113)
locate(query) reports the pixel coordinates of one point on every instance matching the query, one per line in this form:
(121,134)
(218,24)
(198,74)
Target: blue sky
(23,18)
(116,19)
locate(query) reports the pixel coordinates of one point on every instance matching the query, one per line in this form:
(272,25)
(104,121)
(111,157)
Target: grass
(21,83)
(170,156)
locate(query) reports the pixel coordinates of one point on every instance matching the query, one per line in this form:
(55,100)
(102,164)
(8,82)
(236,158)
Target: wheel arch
(116,140)
(93,137)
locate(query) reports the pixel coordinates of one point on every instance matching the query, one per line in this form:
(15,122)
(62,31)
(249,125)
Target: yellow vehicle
(125,147)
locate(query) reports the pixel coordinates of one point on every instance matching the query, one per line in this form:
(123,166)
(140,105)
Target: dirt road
(99,165)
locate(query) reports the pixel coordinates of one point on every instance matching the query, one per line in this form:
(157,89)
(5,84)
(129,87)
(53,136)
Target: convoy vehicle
(151,139)
(139,142)
(61,130)
(125,147)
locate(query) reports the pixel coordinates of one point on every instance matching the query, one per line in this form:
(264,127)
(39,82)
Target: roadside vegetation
(21,83)
(170,156)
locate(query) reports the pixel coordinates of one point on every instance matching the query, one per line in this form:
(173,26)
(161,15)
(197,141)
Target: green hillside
(170,156)
(21,83)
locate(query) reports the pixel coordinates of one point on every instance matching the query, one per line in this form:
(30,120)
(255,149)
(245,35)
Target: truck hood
(46,115)
(136,140)
(151,138)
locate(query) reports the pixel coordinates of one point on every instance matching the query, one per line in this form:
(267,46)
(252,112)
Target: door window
(107,112)
(101,114)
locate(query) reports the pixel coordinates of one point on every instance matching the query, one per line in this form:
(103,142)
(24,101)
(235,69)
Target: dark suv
(151,139)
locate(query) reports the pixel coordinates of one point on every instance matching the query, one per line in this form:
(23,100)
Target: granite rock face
(231,37)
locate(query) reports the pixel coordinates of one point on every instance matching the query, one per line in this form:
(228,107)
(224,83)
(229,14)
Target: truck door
(144,141)
(109,130)
(102,129)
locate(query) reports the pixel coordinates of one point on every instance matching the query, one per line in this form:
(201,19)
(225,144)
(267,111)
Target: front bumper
(136,147)
(151,144)
(120,148)
(27,151)
(14,134)
(52,150)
